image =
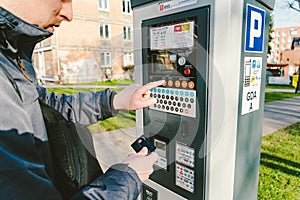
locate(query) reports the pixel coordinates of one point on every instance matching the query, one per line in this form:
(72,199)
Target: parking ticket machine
(174,49)
(195,120)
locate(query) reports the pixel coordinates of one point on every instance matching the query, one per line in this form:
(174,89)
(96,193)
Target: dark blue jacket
(25,160)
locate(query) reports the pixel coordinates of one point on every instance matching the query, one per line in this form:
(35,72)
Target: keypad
(176,101)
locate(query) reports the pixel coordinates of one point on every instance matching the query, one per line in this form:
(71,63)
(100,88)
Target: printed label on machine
(173,36)
(174,4)
(251,84)
(185,158)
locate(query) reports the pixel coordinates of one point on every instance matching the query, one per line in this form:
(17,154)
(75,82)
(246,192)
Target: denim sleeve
(119,182)
(84,108)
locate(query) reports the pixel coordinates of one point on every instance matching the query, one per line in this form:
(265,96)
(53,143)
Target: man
(25,162)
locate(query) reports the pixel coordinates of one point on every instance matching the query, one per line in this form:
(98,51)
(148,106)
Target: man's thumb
(143,151)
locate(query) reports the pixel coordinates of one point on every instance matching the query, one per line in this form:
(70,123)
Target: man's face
(47,14)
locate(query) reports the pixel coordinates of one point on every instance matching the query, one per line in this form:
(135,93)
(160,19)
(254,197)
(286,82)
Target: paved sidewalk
(279,114)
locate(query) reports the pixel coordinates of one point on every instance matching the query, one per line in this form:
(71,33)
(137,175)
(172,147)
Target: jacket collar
(17,35)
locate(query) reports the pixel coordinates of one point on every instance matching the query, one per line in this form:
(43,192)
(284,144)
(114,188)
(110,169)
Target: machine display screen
(163,60)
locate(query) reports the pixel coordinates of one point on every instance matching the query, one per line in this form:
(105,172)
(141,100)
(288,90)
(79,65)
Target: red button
(187,71)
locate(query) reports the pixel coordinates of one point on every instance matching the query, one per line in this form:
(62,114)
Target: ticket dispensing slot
(175,48)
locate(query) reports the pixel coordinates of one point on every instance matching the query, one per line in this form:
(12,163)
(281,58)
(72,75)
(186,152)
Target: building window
(103,5)
(283,39)
(283,33)
(128,59)
(104,31)
(105,59)
(126,6)
(127,33)
(293,31)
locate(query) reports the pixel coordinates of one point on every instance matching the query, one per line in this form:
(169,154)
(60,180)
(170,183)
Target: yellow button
(170,83)
(177,83)
(191,84)
(184,84)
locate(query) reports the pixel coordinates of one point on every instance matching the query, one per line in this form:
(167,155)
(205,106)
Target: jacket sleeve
(84,108)
(119,182)
(22,172)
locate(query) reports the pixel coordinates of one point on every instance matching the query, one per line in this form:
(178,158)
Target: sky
(284,16)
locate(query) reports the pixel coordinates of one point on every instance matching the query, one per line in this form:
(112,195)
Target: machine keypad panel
(176,101)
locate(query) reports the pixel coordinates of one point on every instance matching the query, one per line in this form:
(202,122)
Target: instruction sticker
(251,84)
(173,36)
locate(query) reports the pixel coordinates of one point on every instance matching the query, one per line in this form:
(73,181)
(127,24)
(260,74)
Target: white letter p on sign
(255,27)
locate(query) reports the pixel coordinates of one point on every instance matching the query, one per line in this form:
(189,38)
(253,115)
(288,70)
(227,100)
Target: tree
(270,34)
(294,4)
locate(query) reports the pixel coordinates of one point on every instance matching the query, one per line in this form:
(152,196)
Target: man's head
(46,14)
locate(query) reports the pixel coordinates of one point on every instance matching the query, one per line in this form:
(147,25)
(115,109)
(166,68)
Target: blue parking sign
(255,28)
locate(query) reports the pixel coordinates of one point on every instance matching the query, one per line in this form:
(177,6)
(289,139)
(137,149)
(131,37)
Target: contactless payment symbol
(255,28)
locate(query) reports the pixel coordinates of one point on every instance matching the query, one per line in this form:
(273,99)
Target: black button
(155,105)
(165,101)
(163,106)
(155,95)
(176,98)
(172,98)
(189,106)
(169,102)
(167,97)
(181,98)
(172,108)
(161,101)
(192,100)
(176,109)
(159,106)
(167,107)
(158,95)
(181,110)
(186,99)
(179,104)
(184,105)
(163,96)
(174,103)
(151,95)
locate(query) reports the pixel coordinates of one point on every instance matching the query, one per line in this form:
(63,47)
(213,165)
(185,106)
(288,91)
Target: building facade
(96,46)
(283,52)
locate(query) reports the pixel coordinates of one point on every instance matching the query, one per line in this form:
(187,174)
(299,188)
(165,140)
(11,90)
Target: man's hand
(142,163)
(135,96)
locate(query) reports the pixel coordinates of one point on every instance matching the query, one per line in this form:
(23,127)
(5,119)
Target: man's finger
(151,85)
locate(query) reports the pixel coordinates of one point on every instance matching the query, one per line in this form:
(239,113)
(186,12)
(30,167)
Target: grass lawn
(280,87)
(280,165)
(274,96)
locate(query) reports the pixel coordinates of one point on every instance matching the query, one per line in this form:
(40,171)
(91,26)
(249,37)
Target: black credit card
(143,142)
